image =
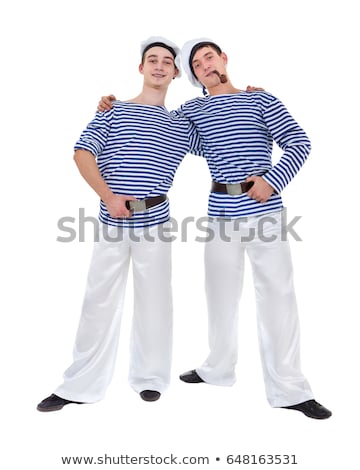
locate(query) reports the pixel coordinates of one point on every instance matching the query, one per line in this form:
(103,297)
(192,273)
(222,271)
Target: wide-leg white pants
(261,237)
(95,350)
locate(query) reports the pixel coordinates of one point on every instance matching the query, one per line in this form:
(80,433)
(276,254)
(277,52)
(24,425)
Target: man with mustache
(238,130)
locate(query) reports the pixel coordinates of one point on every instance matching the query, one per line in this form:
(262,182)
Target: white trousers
(95,350)
(277,318)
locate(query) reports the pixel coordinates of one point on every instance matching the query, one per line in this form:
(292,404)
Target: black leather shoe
(54,403)
(312,409)
(150,395)
(191,377)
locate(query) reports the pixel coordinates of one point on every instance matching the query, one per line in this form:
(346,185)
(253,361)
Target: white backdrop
(58,59)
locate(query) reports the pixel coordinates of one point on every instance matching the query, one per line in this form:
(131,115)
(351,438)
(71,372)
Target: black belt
(233,189)
(144,204)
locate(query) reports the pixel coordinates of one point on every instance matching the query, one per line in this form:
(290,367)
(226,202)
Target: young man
(246,209)
(129,157)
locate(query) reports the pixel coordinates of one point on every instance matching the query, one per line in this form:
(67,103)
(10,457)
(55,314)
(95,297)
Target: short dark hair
(199,46)
(157,44)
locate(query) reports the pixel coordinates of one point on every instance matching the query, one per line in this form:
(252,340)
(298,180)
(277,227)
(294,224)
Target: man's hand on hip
(261,190)
(116,205)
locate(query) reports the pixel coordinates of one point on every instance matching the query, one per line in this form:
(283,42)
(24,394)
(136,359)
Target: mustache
(222,77)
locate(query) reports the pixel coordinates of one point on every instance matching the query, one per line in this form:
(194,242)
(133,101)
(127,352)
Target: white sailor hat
(154,41)
(185,58)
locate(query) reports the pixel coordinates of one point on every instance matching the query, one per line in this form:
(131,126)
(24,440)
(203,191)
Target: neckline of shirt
(141,104)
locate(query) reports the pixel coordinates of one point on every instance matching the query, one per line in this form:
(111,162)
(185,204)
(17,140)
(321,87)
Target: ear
(224,57)
(176,73)
(141,68)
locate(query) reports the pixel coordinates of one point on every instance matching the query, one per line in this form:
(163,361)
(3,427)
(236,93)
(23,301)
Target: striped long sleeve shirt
(138,149)
(237,133)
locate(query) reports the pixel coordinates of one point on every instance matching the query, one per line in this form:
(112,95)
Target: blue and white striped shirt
(138,149)
(237,133)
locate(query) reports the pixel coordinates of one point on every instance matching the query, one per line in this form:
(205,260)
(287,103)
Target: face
(158,66)
(205,61)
